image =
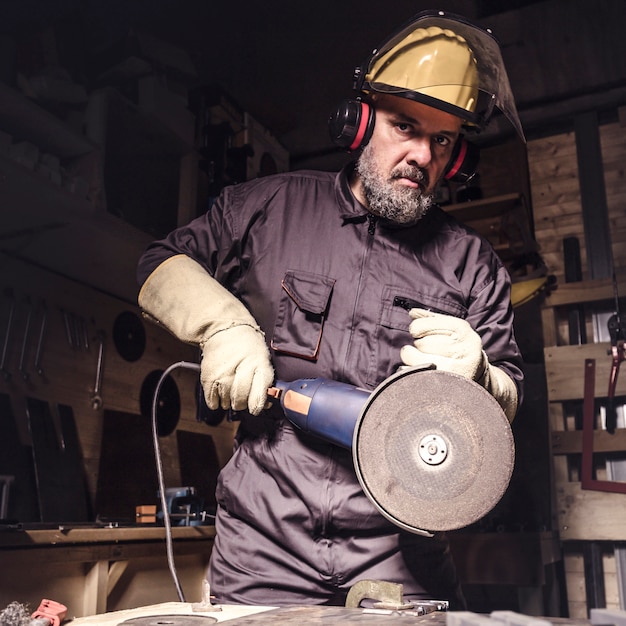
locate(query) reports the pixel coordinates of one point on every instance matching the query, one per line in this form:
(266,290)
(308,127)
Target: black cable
(159,466)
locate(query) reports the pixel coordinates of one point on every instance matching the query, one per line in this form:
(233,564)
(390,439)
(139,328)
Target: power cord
(159,465)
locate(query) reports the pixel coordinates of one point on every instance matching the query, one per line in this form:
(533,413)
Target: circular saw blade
(129,336)
(432,450)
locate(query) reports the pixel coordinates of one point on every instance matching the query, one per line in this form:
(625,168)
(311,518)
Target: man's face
(399,169)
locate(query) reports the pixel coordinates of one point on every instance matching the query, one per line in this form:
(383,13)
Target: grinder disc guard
(433,450)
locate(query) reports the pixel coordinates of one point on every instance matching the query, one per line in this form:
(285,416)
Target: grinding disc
(432,450)
(173,620)
(129,336)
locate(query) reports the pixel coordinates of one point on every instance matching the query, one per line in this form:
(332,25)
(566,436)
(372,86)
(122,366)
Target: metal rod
(42,333)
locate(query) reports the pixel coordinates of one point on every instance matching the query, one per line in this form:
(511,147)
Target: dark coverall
(329,285)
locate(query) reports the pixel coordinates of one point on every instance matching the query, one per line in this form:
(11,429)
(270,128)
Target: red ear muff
(352,124)
(463,163)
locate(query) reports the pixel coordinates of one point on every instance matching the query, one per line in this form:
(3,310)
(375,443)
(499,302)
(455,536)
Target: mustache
(416,174)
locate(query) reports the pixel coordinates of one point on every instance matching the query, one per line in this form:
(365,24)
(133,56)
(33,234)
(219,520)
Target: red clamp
(617,332)
(49,609)
(587,481)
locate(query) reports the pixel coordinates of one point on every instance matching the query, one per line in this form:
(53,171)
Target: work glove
(452,345)
(236,371)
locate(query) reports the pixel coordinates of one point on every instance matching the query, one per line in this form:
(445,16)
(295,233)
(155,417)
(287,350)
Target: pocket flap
(310,292)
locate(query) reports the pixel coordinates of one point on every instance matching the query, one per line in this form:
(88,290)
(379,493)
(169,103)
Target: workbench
(94,570)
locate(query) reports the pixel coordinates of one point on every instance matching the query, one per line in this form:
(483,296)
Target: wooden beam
(565,371)
(585,291)
(588,515)
(116,571)
(95,588)
(571,441)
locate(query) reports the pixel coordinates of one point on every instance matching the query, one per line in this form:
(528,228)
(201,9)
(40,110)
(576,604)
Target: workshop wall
(102,453)
(589,517)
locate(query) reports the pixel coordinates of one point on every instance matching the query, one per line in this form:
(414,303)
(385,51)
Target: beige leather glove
(236,371)
(452,345)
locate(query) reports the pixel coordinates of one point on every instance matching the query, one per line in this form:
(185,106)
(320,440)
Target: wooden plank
(548,148)
(585,291)
(590,515)
(611,587)
(553,233)
(549,327)
(558,190)
(76,535)
(575,583)
(116,571)
(565,367)
(570,442)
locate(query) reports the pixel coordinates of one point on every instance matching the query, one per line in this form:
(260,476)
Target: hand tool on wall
(96,398)
(22,361)
(40,339)
(67,322)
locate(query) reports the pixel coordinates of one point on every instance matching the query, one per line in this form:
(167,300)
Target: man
(311,274)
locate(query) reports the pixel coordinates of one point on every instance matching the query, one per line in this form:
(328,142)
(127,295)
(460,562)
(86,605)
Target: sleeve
(491,315)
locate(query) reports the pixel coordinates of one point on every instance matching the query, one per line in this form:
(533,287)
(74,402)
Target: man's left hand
(446,341)
(452,345)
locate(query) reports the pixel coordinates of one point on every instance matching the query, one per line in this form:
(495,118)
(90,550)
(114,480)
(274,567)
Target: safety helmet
(444,61)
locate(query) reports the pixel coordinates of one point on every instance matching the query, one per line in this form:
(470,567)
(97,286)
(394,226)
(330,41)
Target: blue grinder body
(323,407)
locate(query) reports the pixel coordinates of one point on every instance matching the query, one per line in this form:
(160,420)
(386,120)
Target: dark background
(287,62)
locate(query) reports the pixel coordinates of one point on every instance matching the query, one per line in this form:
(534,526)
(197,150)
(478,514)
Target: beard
(397,203)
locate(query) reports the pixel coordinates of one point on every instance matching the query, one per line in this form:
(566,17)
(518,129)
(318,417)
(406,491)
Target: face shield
(443,61)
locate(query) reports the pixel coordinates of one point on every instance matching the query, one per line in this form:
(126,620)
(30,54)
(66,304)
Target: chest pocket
(393,328)
(301,313)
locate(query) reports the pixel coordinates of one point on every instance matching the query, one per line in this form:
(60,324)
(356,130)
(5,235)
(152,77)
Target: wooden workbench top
(68,534)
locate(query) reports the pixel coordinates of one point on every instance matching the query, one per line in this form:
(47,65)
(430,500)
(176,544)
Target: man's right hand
(236,371)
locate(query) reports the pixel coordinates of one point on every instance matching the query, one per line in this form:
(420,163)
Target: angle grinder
(433,451)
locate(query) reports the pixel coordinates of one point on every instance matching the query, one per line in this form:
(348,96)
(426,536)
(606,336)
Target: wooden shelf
(585,291)
(66,534)
(484,208)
